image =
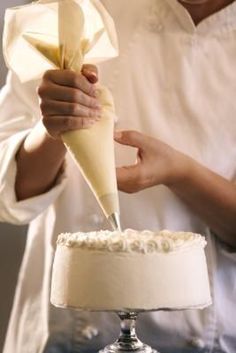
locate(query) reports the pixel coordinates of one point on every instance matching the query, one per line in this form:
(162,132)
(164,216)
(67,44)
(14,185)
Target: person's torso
(176,84)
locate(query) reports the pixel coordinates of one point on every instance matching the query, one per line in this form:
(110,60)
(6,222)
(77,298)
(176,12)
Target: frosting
(130,271)
(132,241)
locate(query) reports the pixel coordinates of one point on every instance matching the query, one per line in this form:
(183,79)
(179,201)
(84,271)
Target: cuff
(21,212)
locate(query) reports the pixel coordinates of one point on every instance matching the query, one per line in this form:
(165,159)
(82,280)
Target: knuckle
(72,109)
(65,122)
(40,90)
(84,100)
(82,123)
(69,123)
(43,90)
(46,121)
(76,80)
(91,113)
(75,95)
(91,102)
(43,106)
(84,84)
(47,75)
(83,112)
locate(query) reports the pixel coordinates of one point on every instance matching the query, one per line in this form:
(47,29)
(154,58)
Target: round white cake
(130,270)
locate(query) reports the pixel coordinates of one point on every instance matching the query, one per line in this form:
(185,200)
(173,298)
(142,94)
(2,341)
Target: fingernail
(118,134)
(88,72)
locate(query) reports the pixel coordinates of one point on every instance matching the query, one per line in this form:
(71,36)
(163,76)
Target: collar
(225,19)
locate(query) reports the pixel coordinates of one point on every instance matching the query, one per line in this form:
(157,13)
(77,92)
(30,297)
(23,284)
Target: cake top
(130,240)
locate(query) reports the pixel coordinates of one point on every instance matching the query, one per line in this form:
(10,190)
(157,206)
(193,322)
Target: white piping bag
(66,34)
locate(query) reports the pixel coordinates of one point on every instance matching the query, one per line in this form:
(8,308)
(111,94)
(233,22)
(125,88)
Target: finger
(50,108)
(128,178)
(131,138)
(90,72)
(70,78)
(56,125)
(67,94)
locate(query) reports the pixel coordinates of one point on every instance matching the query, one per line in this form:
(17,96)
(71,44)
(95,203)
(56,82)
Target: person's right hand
(68,100)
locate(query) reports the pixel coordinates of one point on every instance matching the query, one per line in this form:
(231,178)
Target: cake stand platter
(128,340)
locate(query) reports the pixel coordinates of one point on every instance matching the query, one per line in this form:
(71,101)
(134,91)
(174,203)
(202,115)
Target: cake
(130,270)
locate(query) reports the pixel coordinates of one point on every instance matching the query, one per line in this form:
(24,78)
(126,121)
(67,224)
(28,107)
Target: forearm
(210,196)
(39,161)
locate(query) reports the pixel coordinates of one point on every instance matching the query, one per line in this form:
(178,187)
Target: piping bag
(66,34)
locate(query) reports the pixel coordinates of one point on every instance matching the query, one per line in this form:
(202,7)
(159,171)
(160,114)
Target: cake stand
(128,340)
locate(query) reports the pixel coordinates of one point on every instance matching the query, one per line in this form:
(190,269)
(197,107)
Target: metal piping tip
(114,220)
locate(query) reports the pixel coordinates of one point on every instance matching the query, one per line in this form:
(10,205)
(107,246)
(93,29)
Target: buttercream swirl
(132,241)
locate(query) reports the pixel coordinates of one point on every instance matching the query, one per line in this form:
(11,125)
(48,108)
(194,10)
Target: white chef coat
(176,82)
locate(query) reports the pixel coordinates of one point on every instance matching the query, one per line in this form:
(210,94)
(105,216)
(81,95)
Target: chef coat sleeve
(17,118)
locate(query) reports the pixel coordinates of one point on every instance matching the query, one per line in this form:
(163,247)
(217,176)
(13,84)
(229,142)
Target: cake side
(130,274)
(97,281)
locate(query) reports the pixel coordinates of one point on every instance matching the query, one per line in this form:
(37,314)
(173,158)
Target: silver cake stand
(128,340)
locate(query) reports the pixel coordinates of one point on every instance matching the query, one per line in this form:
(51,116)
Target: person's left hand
(157,163)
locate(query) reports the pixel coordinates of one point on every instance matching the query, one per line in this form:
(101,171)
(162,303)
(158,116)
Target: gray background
(12,239)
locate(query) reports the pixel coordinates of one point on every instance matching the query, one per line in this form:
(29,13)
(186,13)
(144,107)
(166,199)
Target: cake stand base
(115,348)
(128,340)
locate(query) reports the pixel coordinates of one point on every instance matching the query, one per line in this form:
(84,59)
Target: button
(197,342)
(90,332)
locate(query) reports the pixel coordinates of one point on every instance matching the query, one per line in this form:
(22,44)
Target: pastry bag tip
(114,220)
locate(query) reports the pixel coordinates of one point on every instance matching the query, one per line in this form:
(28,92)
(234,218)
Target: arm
(67,102)
(209,195)
(39,161)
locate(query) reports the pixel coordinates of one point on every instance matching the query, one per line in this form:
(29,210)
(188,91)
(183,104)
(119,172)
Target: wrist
(40,138)
(40,161)
(181,171)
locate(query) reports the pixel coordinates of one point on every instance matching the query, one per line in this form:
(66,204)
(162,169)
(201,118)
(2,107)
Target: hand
(68,100)
(157,163)
(210,196)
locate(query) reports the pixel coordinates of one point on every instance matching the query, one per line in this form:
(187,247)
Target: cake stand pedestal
(128,340)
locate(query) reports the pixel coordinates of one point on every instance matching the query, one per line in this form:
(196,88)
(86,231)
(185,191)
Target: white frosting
(132,241)
(130,270)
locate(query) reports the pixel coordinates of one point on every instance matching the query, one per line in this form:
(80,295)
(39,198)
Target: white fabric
(66,33)
(173,81)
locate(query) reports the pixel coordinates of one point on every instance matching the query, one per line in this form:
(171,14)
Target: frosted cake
(130,270)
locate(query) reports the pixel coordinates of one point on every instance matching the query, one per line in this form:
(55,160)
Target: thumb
(131,138)
(90,72)
(128,178)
